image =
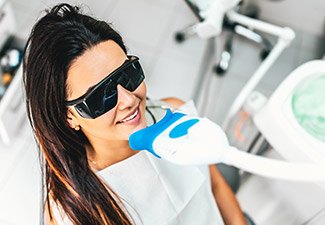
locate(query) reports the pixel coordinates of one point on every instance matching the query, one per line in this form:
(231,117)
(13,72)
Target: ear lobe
(71,120)
(71,123)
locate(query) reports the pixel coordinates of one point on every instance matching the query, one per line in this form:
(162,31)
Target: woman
(85,96)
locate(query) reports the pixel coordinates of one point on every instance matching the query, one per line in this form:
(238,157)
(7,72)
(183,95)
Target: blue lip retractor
(143,139)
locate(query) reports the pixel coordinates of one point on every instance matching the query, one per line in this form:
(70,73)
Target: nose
(126,99)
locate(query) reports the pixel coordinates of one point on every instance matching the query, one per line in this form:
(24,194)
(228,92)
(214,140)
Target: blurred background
(172,68)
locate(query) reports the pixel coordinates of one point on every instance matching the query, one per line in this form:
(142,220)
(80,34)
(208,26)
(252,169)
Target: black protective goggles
(103,96)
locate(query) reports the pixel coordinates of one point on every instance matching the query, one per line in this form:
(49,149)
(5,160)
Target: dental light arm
(186,140)
(213,16)
(213,13)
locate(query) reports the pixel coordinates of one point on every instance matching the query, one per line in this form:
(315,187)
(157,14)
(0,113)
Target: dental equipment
(186,140)
(212,13)
(213,16)
(285,36)
(293,119)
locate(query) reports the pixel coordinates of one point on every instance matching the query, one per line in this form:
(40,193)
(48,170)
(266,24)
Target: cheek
(102,126)
(143,90)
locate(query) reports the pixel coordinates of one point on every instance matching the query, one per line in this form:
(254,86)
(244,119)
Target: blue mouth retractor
(143,139)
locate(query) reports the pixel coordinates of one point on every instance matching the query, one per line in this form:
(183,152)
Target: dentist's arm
(225,198)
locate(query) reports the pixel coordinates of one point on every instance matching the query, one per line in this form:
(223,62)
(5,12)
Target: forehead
(92,66)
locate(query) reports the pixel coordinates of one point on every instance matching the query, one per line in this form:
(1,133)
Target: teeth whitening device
(186,140)
(294,107)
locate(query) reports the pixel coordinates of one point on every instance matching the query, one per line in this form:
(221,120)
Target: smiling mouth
(130,117)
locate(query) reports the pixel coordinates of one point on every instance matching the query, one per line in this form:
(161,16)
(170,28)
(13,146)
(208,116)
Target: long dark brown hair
(56,40)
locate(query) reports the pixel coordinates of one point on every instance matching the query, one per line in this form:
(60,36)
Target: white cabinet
(12,109)
(12,106)
(7,21)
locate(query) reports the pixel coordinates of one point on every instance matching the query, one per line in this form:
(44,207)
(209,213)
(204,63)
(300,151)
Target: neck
(104,154)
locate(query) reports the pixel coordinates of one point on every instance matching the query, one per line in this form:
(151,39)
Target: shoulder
(173,102)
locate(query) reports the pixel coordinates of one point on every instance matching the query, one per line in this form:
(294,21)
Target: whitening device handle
(186,140)
(273,168)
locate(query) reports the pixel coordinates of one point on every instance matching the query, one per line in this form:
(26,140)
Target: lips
(130,116)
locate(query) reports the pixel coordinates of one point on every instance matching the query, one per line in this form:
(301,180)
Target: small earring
(77,128)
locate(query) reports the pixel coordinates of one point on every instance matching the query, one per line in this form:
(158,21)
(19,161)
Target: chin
(130,131)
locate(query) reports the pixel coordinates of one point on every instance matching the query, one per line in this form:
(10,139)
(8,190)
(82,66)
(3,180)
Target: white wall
(307,15)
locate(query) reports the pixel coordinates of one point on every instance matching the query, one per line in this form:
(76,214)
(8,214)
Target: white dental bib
(155,191)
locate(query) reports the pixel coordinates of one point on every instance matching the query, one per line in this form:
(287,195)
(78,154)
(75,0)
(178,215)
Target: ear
(72,119)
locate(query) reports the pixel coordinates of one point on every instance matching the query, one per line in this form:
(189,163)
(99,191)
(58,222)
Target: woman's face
(129,113)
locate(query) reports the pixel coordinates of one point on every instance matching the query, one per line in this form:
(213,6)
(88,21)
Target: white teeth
(130,117)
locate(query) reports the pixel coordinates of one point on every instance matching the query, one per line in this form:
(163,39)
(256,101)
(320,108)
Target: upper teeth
(130,117)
